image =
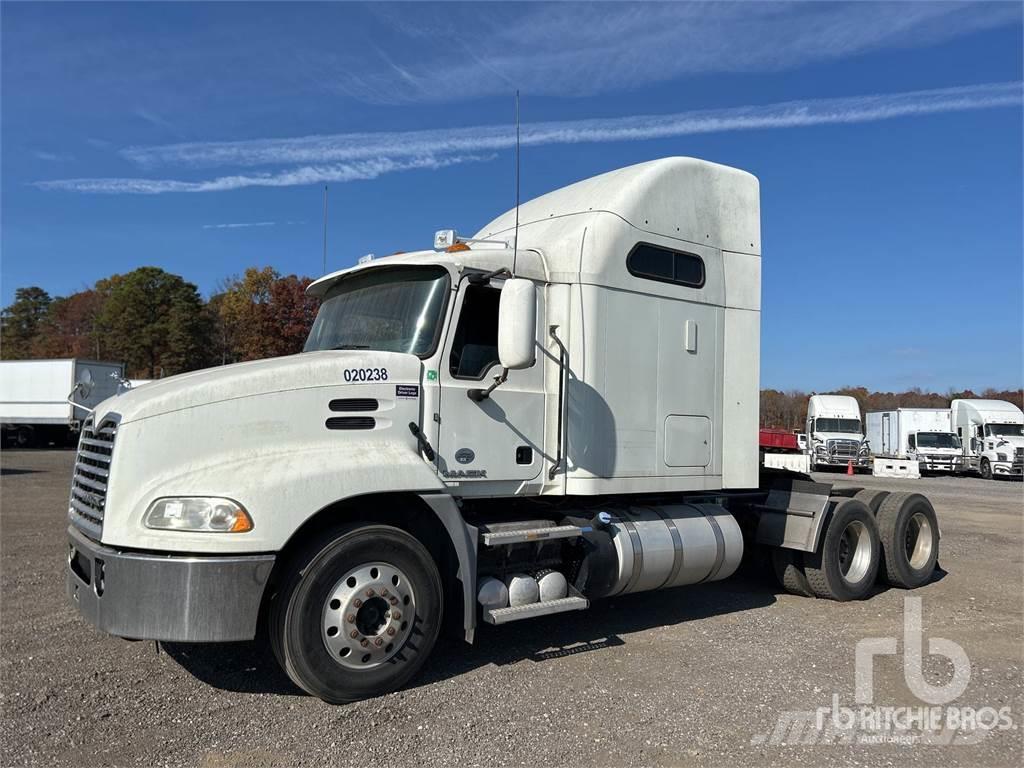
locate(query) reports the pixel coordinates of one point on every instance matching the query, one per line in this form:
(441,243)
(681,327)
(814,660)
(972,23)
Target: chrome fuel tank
(661,546)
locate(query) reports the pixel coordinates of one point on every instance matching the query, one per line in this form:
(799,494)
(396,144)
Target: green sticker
(431,375)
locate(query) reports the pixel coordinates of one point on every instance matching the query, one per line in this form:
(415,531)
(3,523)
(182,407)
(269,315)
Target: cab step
(521,535)
(519,612)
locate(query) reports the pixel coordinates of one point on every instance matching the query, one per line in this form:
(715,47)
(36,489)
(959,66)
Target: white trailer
(835,435)
(504,426)
(47,400)
(923,435)
(991,433)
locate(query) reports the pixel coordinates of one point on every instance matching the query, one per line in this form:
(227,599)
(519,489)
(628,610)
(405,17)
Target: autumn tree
(20,322)
(69,328)
(153,321)
(263,314)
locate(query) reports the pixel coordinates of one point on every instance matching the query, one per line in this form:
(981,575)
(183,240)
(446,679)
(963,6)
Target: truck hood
(1008,443)
(307,370)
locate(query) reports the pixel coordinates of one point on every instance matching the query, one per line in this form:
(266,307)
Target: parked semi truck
(500,427)
(834,432)
(44,401)
(991,434)
(923,435)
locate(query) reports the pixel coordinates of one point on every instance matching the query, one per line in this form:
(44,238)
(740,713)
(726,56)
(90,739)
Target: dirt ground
(704,675)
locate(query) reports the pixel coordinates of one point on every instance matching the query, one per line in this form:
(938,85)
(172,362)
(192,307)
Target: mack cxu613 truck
(991,434)
(559,409)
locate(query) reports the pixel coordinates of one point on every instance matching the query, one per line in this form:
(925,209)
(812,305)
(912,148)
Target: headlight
(198,513)
(1001,457)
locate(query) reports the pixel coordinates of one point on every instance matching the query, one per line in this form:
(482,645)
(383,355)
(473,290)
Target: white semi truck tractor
(835,436)
(991,433)
(497,428)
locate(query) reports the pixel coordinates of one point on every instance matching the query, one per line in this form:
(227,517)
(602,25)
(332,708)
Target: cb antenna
(515,245)
(324,272)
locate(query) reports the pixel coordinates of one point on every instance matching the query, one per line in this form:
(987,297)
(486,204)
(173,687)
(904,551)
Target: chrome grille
(844,449)
(92,473)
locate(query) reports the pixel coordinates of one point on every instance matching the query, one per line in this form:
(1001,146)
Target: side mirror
(517,324)
(85,384)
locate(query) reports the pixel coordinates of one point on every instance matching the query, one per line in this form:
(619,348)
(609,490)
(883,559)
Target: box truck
(991,434)
(43,401)
(917,434)
(834,432)
(560,409)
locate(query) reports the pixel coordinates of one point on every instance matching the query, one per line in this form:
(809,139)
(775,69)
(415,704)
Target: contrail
(353,156)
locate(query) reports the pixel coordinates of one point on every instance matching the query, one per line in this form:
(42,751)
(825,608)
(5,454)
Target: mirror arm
(488,276)
(479,395)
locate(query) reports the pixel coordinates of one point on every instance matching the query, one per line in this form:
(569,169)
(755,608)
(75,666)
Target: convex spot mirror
(85,384)
(517,324)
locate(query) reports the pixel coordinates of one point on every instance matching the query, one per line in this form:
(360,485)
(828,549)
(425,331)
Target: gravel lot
(695,676)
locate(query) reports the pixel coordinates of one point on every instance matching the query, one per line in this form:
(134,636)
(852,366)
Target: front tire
(986,469)
(359,615)
(846,563)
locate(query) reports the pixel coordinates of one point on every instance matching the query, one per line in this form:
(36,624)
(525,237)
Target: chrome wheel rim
(854,551)
(919,541)
(368,616)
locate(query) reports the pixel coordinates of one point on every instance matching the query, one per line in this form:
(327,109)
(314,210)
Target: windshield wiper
(352,346)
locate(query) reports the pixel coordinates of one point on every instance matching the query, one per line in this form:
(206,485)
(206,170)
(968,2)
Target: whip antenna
(515,246)
(324,272)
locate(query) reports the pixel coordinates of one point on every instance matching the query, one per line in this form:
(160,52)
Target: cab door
(499,438)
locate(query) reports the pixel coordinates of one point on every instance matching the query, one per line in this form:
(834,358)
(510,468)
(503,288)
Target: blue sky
(197,137)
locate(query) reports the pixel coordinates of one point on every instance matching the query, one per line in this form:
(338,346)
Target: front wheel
(358,616)
(986,469)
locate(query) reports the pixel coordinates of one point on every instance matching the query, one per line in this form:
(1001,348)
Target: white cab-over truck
(834,432)
(916,434)
(501,427)
(992,436)
(43,401)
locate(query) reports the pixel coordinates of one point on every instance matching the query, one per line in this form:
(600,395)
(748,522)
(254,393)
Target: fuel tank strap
(638,552)
(719,540)
(677,546)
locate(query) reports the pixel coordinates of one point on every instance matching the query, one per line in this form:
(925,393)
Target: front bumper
(1007,469)
(147,596)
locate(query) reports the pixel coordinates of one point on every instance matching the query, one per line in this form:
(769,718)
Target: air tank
(669,545)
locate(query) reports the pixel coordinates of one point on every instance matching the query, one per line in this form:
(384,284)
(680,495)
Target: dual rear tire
(875,535)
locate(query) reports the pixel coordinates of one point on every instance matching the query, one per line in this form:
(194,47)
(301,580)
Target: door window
(475,345)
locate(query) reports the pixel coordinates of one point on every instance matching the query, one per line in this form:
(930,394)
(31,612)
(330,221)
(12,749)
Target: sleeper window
(667,266)
(475,347)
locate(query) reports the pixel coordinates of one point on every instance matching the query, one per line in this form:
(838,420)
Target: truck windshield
(837,425)
(937,440)
(386,309)
(1004,430)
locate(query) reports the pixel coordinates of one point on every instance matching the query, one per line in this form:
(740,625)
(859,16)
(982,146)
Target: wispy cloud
(51,157)
(374,146)
(241,225)
(318,174)
(361,156)
(584,49)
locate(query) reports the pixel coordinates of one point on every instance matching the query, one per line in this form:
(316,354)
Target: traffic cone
(849,467)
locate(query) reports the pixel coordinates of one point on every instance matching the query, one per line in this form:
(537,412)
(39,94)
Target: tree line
(158,324)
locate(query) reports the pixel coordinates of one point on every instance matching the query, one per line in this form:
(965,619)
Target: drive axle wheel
(909,532)
(788,567)
(986,469)
(359,615)
(845,565)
